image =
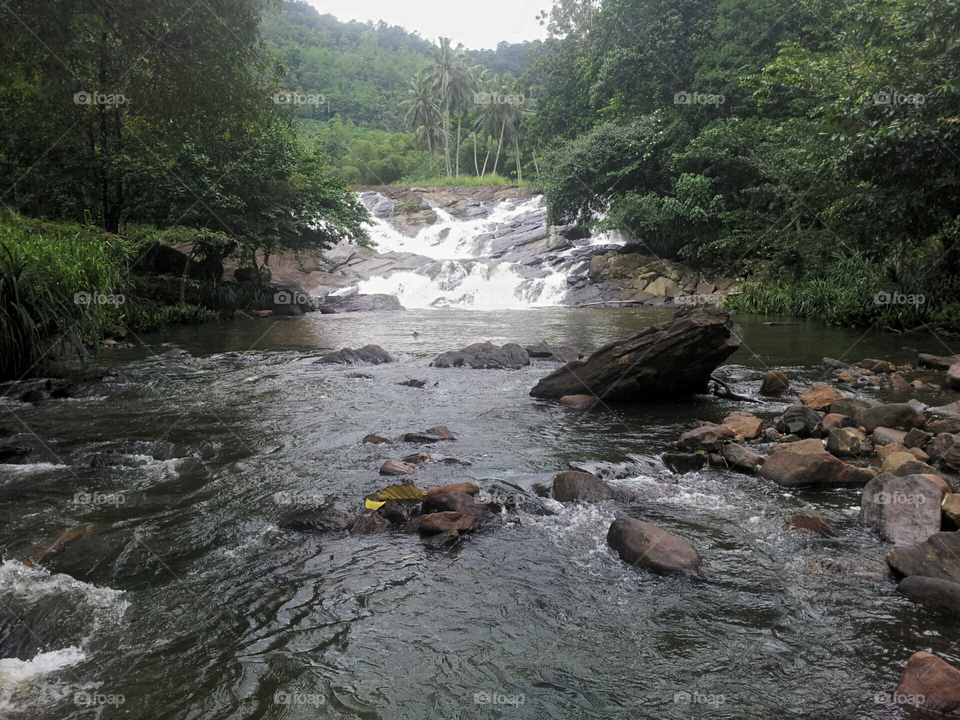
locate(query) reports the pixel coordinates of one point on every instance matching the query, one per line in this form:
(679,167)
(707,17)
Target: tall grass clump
(52,280)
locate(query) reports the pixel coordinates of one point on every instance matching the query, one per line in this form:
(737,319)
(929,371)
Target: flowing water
(171,592)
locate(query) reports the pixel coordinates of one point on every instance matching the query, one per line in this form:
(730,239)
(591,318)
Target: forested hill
(362,70)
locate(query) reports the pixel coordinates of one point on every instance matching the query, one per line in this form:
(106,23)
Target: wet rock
(949,409)
(799,420)
(835,420)
(367,355)
(951,508)
(318,520)
(771,434)
(937,596)
(741,458)
(806,463)
(468,488)
(944,425)
(579,401)
(905,463)
(643,545)
(540,350)
(877,366)
(844,442)
(940,445)
(394,511)
(895,415)
(442,522)
(454,502)
(743,424)
(413,382)
(361,303)
(575,486)
(917,438)
(953,377)
(898,383)
(938,557)
(811,521)
(115,458)
(936,362)
(417,458)
(820,396)
(666,360)
(885,451)
(833,364)
(885,436)
(430,435)
(484,356)
(14,454)
(710,438)
(396,467)
(565,354)
(441,540)
(371,524)
(950,459)
(34,397)
(376,439)
(774,384)
(936,681)
(684,462)
(903,510)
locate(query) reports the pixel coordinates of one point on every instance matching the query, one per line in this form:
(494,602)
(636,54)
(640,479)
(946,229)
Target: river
(185,600)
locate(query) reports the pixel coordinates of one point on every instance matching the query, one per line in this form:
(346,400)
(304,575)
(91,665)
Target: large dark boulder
(806,463)
(576,486)
(361,303)
(938,557)
(895,415)
(665,360)
(644,545)
(799,420)
(318,520)
(368,354)
(933,685)
(936,596)
(484,356)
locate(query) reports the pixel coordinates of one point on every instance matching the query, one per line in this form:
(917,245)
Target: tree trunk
(516,152)
(476,165)
(459,119)
(503,126)
(446,135)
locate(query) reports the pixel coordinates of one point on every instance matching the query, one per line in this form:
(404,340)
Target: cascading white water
(464,275)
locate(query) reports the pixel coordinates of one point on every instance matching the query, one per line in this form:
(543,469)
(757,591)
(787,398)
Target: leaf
(374,505)
(401,492)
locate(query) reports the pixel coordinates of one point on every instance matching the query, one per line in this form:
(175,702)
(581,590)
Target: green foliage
(149,318)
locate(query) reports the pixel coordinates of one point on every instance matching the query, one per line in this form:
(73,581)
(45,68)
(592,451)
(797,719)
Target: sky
(478,25)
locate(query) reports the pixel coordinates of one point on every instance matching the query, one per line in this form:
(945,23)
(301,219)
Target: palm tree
(521,113)
(423,115)
(449,78)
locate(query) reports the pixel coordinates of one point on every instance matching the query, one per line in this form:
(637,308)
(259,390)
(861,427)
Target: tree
(450,79)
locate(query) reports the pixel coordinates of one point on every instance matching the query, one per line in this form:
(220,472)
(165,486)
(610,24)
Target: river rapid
(187,601)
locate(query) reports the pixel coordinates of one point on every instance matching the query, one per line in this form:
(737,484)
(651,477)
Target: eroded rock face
(666,360)
(643,545)
(484,356)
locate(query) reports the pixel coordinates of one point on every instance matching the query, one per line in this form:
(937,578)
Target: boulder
(850,406)
(431,435)
(317,520)
(833,364)
(646,546)
(665,360)
(951,507)
(709,438)
(579,401)
(936,596)
(844,442)
(576,486)
(361,303)
(938,557)
(835,420)
(371,523)
(937,362)
(743,424)
(944,425)
(953,376)
(898,383)
(937,682)
(565,354)
(799,420)
(453,502)
(741,458)
(941,445)
(820,397)
(367,355)
(468,488)
(895,415)
(396,467)
(904,510)
(441,540)
(485,356)
(917,438)
(810,521)
(951,458)
(684,462)
(885,436)
(441,522)
(417,458)
(878,366)
(774,384)
(806,463)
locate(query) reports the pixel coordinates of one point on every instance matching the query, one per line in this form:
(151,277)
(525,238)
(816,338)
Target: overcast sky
(477,25)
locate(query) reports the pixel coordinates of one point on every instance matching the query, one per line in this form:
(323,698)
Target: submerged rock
(774,384)
(643,545)
(397,467)
(318,520)
(684,462)
(576,486)
(484,356)
(368,354)
(441,522)
(811,521)
(936,596)
(666,360)
(430,435)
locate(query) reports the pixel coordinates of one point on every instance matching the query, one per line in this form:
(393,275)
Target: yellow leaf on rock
(374,505)
(401,492)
